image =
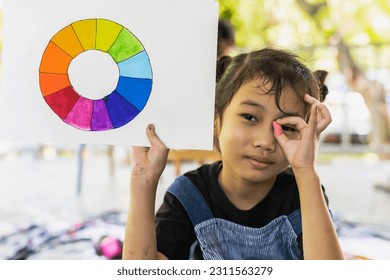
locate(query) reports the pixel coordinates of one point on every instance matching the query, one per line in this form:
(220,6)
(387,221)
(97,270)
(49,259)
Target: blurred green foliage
(307,27)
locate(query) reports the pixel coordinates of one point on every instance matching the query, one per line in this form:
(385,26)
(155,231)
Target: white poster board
(98,71)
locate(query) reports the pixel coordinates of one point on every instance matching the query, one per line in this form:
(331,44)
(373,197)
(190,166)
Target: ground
(39,187)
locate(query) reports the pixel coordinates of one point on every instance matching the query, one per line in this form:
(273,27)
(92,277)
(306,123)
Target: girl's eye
(288,128)
(248,117)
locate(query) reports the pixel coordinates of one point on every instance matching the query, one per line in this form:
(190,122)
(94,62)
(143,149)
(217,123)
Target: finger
(297,122)
(310,99)
(279,135)
(313,120)
(136,151)
(324,117)
(154,140)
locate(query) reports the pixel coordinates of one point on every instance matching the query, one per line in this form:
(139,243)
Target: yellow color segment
(107,32)
(68,41)
(86,32)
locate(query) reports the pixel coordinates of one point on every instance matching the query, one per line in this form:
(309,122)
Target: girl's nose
(264,138)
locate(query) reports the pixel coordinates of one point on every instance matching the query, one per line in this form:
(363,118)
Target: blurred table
(177,157)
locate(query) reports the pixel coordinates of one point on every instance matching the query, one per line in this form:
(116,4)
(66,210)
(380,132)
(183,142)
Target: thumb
(154,140)
(279,135)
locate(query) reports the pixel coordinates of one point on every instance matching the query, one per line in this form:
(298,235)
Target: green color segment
(126,45)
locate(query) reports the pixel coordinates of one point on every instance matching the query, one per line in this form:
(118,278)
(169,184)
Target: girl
(249,205)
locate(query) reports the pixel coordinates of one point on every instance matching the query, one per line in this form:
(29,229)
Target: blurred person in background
(226,41)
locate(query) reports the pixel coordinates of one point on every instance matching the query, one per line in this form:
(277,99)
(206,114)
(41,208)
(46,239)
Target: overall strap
(295,221)
(191,199)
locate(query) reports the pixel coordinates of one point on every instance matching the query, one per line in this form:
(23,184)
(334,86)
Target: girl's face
(249,150)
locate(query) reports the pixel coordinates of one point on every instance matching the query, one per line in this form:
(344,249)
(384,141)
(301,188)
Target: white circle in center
(93,74)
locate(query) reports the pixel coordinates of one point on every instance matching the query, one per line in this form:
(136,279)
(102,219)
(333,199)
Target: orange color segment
(67,40)
(51,83)
(54,60)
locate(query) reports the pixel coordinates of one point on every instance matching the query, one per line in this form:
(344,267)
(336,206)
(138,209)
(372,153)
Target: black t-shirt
(175,232)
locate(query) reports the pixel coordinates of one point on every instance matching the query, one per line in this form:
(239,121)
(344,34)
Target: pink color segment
(81,114)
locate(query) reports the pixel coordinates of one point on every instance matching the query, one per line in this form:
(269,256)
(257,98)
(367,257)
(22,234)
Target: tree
(373,92)
(333,35)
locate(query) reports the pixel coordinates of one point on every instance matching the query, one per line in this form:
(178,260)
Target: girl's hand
(149,162)
(301,152)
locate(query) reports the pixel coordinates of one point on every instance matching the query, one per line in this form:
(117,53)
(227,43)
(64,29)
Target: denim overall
(221,239)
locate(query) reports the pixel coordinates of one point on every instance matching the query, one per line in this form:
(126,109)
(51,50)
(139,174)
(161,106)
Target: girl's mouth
(259,162)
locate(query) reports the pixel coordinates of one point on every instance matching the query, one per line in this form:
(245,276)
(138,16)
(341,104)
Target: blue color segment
(120,110)
(134,90)
(137,66)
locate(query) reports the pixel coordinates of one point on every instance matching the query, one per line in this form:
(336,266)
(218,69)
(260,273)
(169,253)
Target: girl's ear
(217,123)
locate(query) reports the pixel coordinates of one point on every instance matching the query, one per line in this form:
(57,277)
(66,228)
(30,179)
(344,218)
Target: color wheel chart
(133,87)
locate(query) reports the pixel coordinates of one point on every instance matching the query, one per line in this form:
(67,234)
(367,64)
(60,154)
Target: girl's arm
(319,235)
(147,165)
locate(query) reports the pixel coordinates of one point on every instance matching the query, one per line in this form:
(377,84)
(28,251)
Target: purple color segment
(120,110)
(81,114)
(100,117)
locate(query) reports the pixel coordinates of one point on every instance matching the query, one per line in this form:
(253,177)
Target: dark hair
(281,69)
(225,36)
(321,77)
